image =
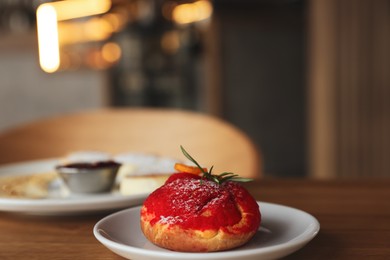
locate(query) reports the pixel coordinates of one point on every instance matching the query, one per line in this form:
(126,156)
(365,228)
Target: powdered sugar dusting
(170,220)
(200,191)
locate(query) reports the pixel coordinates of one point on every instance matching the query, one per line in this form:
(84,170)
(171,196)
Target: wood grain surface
(354,217)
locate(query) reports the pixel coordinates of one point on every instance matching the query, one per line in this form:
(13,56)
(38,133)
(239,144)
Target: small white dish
(82,178)
(283,231)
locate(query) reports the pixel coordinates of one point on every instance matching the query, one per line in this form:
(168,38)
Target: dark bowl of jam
(89,177)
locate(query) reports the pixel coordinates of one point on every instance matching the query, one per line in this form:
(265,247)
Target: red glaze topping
(194,203)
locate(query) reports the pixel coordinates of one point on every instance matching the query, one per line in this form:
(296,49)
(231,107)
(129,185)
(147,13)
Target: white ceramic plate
(283,231)
(57,205)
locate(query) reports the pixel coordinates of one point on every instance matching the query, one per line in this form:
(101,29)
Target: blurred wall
(260,46)
(349,88)
(27,93)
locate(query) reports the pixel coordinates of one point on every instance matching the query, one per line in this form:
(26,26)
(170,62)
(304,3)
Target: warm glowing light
(71,9)
(192,12)
(95,29)
(49,54)
(116,20)
(170,42)
(51,33)
(111,52)
(95,60)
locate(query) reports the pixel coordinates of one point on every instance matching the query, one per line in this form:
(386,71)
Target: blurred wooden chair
(211,141)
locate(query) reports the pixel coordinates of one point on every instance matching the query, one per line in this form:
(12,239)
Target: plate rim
(292,246)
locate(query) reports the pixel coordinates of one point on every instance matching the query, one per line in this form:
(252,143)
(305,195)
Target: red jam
(91,166)
(194,203)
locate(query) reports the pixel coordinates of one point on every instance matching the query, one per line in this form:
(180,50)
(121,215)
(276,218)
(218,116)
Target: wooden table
(354,217)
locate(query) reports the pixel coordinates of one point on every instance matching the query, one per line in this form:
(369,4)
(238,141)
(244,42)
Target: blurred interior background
(307,80)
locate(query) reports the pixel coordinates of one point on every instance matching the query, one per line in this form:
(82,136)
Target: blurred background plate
(54,204)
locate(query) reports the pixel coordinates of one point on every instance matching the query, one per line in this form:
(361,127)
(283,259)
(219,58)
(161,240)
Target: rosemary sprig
(220,178)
